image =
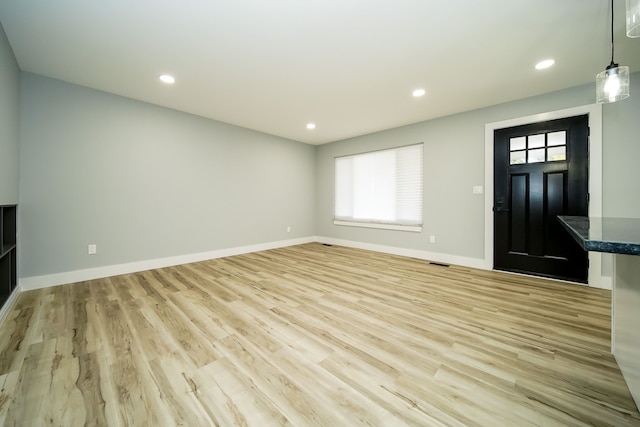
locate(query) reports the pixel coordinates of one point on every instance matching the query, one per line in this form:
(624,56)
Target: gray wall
(621,155)
(144,182)
(9,122)
(454,163)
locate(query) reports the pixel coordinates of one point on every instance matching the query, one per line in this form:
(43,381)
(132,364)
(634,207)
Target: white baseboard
(45,281)
(601,282)
(413,253)
(8,304)
(595,281)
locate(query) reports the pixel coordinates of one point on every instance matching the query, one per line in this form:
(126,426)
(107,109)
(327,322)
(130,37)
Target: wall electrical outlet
(92,249)
(477,189)
(288,229)
(432,239)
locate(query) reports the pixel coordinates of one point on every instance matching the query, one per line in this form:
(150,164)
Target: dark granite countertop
(613,235)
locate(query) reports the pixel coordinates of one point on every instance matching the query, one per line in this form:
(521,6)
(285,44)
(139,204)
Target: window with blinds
(380,189)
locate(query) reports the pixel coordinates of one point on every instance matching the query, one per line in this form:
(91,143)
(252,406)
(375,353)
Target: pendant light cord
(612,45)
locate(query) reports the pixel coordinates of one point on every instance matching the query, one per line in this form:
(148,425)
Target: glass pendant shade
(633,18)
(612,84)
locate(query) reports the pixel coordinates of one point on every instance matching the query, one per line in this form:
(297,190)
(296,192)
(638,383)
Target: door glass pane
(536,141)
(557,154)
(557,138)
(536,156)
(518,157)
(517,143)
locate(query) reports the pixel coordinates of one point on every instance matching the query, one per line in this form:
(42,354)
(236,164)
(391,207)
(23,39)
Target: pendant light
(613,83)
(633,18)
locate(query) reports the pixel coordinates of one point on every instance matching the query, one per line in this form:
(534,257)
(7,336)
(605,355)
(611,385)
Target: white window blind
(380,189)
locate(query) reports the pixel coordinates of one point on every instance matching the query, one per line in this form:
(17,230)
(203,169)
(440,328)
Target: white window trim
(399,227)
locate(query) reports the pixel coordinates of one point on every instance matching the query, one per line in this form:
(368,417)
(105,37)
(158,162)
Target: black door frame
(594,111)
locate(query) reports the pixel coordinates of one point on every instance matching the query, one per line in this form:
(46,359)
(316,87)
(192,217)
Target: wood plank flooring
(312,335)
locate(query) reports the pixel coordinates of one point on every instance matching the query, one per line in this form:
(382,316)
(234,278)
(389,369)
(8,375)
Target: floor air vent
(439,264)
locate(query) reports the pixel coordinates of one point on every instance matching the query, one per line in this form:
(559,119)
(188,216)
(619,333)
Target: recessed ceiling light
(545,64)
(311,125)
(419,92)
(166,78)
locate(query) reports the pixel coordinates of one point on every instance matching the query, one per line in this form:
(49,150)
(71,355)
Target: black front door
(541,171)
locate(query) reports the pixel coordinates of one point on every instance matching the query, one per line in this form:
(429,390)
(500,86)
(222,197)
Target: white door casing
(596,279)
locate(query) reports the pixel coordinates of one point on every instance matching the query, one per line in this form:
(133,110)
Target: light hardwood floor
(312,335)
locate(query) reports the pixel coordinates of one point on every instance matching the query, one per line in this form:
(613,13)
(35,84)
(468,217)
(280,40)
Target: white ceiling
(347,65)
